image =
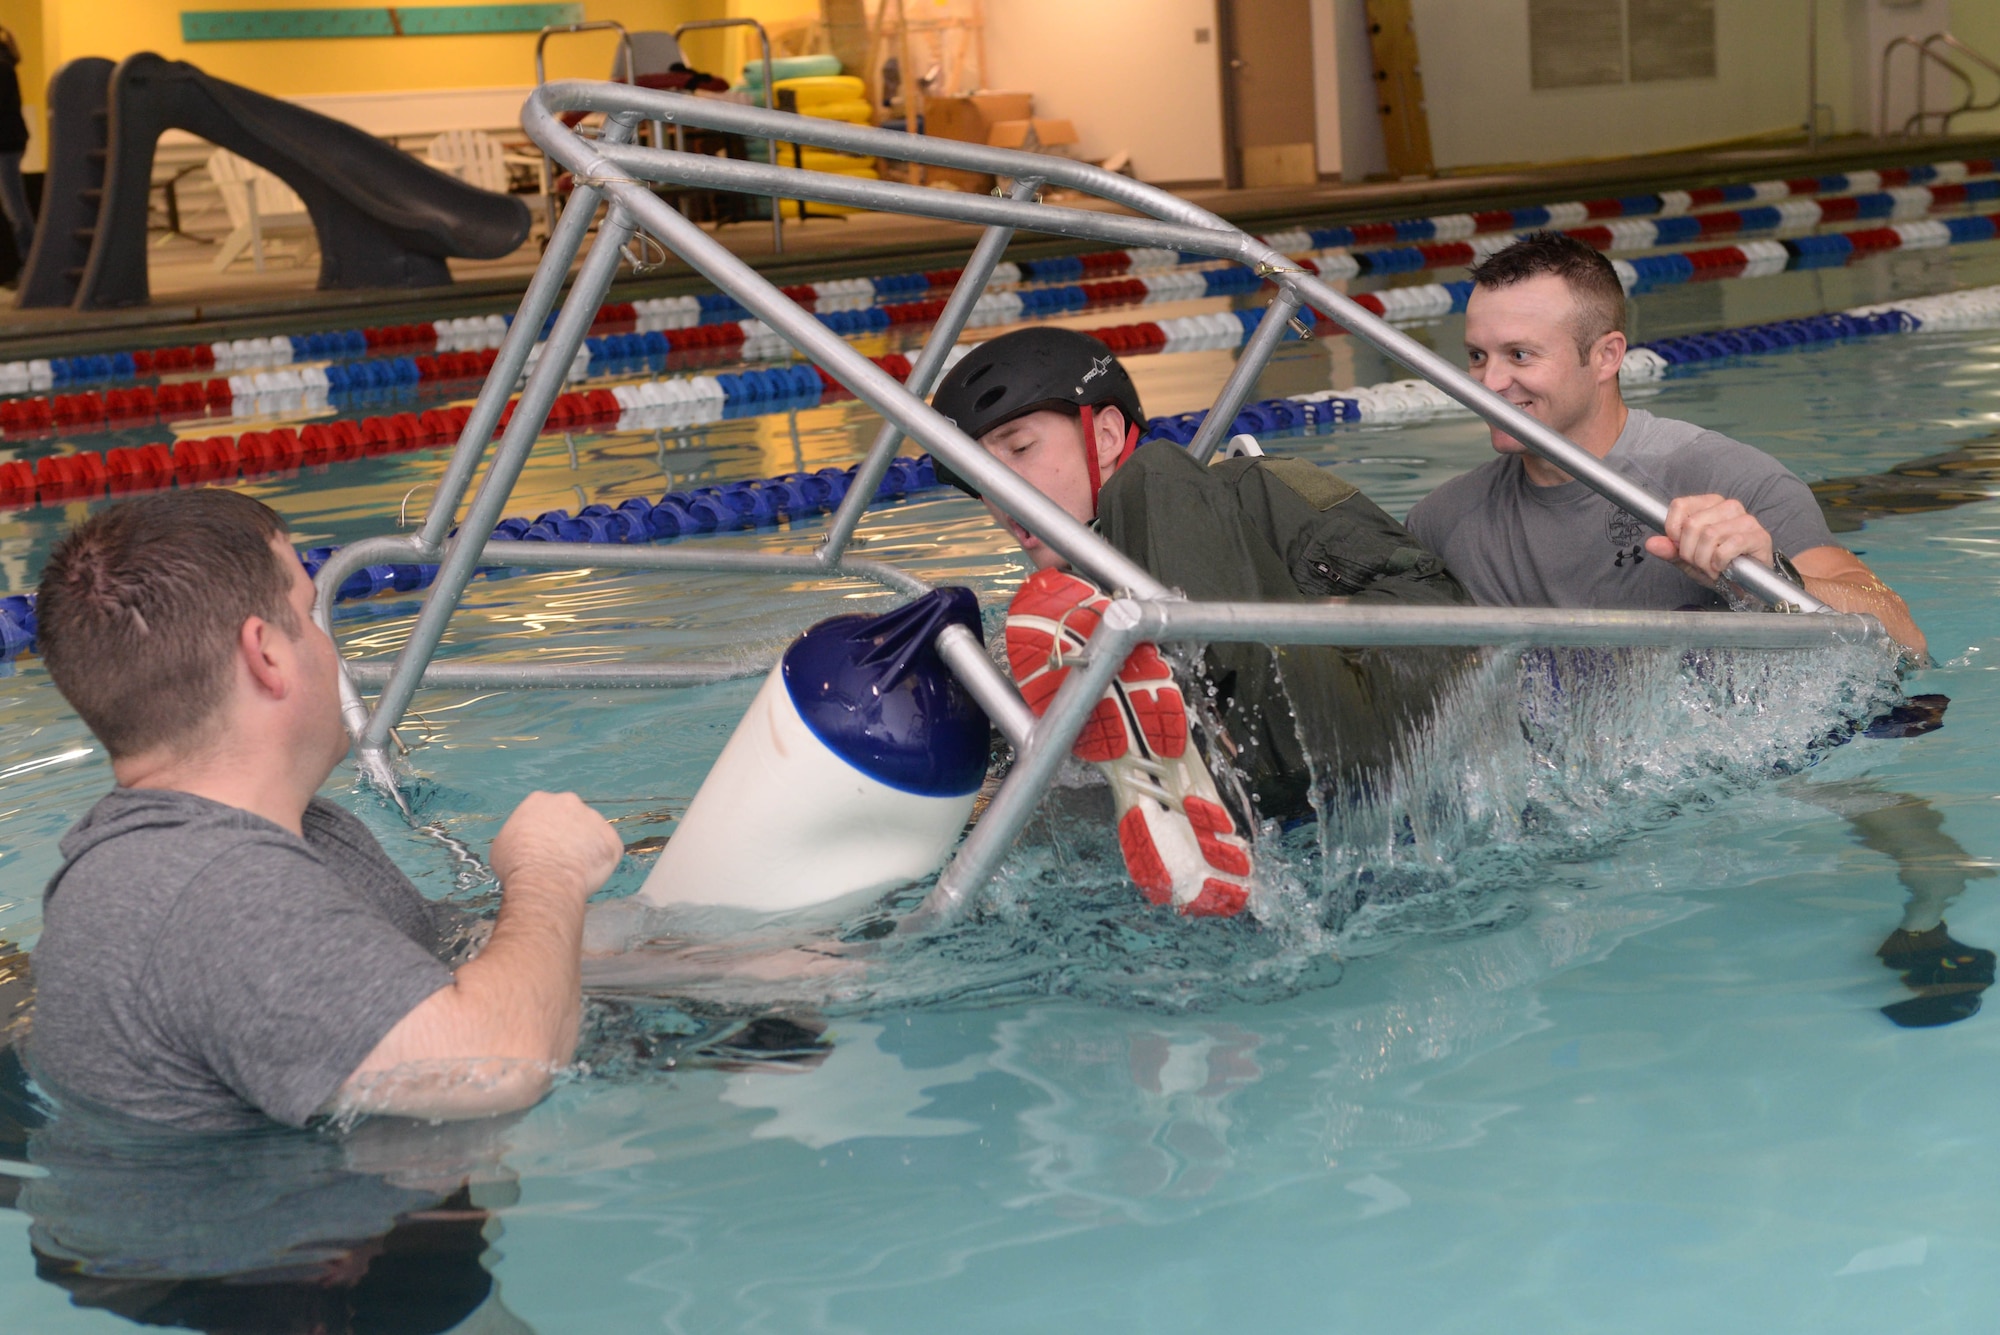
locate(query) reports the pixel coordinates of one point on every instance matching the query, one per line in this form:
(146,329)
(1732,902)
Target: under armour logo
(1632,555)
(1098,366)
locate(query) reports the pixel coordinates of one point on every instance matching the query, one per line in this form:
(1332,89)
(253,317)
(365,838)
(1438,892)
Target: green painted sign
(279,25)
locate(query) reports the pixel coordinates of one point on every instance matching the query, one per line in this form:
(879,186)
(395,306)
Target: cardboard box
(943,178)
(971,119)
(1036,134)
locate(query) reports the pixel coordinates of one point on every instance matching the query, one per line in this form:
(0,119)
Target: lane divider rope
(792,496)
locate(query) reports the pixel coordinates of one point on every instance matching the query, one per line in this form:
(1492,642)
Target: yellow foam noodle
(824,90)
(854,112)
(840,164)
(825,160)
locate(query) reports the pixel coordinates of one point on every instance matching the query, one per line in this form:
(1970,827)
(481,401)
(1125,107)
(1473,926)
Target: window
(1584,43)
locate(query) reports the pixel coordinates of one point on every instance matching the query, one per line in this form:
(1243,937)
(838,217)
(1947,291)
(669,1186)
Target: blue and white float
(853,772)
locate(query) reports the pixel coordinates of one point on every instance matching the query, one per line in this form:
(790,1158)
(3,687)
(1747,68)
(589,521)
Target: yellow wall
(54,31)
(740,45)
(118,28)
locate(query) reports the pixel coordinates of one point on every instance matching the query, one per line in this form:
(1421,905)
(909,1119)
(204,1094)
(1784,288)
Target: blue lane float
(1777,336)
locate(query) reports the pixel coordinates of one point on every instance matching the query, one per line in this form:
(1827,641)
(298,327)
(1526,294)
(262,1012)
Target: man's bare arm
(1705,533)
(1841,580)
(490,1041)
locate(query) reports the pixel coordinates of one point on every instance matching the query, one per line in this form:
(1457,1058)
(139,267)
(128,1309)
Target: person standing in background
(13,143)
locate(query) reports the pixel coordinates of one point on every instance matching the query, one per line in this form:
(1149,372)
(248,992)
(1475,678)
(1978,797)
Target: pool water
(1620,1066)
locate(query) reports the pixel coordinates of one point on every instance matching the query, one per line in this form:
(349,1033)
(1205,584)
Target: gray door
(1267,92)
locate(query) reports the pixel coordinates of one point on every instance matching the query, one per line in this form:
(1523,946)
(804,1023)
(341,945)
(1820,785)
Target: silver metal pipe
(374,765)
(966,657)
(870,383)
(612,556)
(866,141)
(536,303)
(756,178)
(1196,235)
(1360,624)
(461,557)
(1243,376)
(402,550)
(924,373)
(484,676)
(1035,767)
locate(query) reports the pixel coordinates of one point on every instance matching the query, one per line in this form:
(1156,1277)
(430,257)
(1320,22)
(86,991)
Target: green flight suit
(1287,531)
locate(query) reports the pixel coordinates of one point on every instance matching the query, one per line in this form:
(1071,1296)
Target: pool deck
(194,304)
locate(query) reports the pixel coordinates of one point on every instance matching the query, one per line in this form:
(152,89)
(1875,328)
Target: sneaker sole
(1169,814)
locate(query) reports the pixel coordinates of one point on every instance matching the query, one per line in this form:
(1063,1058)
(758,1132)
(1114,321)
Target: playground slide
(384,219)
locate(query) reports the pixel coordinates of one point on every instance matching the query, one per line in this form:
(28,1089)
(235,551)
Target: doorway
(1267,92)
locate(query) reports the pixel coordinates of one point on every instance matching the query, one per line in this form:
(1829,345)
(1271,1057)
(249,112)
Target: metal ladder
(613,169)
(1938,49)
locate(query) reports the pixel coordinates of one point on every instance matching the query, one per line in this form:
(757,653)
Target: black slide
(384,219)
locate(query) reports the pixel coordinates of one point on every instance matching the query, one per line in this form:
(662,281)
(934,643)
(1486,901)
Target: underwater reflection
(955,1141)
(1963,475)
(1156,1119)
(379,1230)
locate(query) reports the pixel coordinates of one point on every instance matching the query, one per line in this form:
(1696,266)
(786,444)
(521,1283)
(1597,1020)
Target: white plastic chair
(473,156)
(259,205)
(652,53)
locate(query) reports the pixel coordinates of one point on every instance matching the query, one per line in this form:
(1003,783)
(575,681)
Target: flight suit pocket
(1333,565)
(1316,486)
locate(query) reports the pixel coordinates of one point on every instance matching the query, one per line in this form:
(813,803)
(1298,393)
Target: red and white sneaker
(1181,846)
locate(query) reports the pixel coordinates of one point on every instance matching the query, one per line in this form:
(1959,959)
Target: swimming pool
(1632,1077)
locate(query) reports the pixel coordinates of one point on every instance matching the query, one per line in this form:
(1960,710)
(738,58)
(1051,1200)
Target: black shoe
(1932,1010)
(1911,718)
(1946,975)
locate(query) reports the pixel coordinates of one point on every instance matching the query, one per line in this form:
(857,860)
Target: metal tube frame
(1243,377)
(549,209)
(1142,608)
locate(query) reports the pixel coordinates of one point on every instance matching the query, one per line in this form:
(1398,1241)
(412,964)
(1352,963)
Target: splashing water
(1533,759)
(1556,755)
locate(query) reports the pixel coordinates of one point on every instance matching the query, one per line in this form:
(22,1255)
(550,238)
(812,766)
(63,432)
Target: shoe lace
(1058,658)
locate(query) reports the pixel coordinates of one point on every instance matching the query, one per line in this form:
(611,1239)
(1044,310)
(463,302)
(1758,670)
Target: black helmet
(1028,370)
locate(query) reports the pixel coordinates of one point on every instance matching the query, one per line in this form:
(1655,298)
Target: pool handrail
(549,208)
(612,170)
(770,102)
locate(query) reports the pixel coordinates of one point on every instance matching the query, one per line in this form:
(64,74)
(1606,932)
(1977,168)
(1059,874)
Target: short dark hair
(141,604)
(1600,297)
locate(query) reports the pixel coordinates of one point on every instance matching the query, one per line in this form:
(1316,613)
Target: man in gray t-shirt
(222,944)
(1514,543)
(201,963)
(1544,329)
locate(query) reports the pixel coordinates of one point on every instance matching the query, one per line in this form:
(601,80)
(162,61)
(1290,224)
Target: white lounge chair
(473,156)
(259,205)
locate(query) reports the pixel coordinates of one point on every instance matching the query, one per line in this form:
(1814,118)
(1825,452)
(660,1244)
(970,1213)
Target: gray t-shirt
(199,965)
(1514,544)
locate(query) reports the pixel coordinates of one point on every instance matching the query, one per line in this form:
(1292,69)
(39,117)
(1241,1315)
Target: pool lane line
(1219,330)
(1776,205)
(679,402)
(769,501)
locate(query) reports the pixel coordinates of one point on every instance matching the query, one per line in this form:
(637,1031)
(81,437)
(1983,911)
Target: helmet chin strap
(1088,418)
